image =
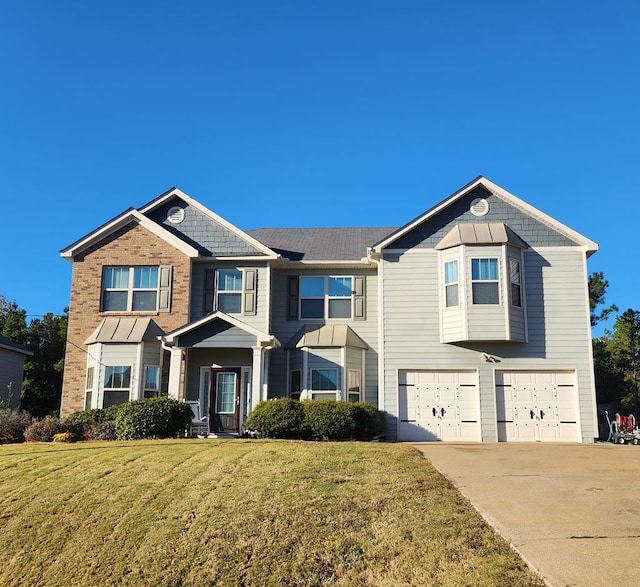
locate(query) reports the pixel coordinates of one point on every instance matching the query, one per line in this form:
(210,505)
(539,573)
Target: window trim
(336,392)
(486,281)
(130,290)
(292,390)
(148,392)
(229,293)
(451,284)
(352,373)
(517,284)
(326,297)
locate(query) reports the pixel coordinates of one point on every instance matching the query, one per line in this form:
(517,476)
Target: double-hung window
(354,383)
(117,382)
(295,381)
(88,388)
(516,284)
(130,289)
(326,297)
(151,381)
(451,283)
(324,383)
(229,291)
(484,281)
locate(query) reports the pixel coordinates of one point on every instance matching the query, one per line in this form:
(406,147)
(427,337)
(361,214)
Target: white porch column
(175,368)
(257,376)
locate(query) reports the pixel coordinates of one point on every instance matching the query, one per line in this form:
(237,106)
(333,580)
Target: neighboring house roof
(320,244)
(480,181)
(133,330)
(489,233)
(262,337)
(9,345)
(326,335)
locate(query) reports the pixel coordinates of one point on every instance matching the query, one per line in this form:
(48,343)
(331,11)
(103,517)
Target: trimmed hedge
(328,419)
(317,420)
(92,424)
(12,425)
(278,418)
(158,417)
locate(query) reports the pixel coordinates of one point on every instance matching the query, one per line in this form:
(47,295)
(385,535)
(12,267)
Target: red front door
(224,400)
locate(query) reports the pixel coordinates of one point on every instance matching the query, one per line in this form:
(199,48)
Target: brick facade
(129,246)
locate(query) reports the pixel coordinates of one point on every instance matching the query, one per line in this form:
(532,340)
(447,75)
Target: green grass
(236,512)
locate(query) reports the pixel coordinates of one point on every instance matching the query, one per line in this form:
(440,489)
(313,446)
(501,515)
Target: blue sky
(333,113)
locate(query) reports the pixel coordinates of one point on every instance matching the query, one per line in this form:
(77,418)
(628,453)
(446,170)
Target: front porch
(219,365)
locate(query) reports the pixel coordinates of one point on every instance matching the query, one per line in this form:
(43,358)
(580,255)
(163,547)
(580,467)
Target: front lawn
(240,512)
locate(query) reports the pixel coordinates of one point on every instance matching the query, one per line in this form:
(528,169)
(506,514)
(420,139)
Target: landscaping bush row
(162,417)
(317,420)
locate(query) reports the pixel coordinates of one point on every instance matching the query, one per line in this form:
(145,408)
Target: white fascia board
(356,264)
(122,220)
(501,193)
(15,350)
(198,206)
(262,337)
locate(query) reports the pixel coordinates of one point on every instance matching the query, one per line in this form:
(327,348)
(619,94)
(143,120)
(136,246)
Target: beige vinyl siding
(258,320)
(285,329)
(151,353)
(558,326)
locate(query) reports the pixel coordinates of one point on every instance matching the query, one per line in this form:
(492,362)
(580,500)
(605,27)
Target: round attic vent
(479,207)
(175,215)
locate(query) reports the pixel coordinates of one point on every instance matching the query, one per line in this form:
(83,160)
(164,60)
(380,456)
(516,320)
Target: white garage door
(536,406)
(438,405)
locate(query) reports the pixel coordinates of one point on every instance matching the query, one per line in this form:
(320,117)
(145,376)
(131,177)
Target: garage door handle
(442,412)
(532,414)
(435,413)
(541,415)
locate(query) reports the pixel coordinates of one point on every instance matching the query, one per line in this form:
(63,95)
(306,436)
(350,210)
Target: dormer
(482,292)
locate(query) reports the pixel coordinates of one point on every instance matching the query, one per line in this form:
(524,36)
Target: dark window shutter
(249,304)
(164,289)
(292,310)
(209,289)
(358,298)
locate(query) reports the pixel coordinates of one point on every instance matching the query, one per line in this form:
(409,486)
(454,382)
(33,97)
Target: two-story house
(471,322)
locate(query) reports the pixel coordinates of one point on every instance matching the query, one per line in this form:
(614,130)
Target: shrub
(328,419)
(369,421)
(44,430)
(12,425)
(103,431)
(158,417)
(86,423)
(278,418)
(64,437)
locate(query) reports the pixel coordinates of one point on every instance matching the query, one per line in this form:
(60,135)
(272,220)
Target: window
(229,291)
(451,283)
(295,384)
(516,286)
(88,386)
(226,393)
(484,281)
(151,381)
(354,379)
(117,381)
(324,383)
(325,297)
(130,289)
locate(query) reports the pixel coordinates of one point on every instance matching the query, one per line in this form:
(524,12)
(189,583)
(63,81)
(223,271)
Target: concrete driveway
(571,510)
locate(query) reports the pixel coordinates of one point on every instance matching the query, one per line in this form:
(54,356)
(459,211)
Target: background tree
(597,290)
(45,337)
(624,347)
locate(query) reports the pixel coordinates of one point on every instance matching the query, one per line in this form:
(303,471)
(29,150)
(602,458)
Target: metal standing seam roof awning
(131,330)
(326,335)
(488,233)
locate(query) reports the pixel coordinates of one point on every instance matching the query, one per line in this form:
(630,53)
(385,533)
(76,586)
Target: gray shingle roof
(320,244)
